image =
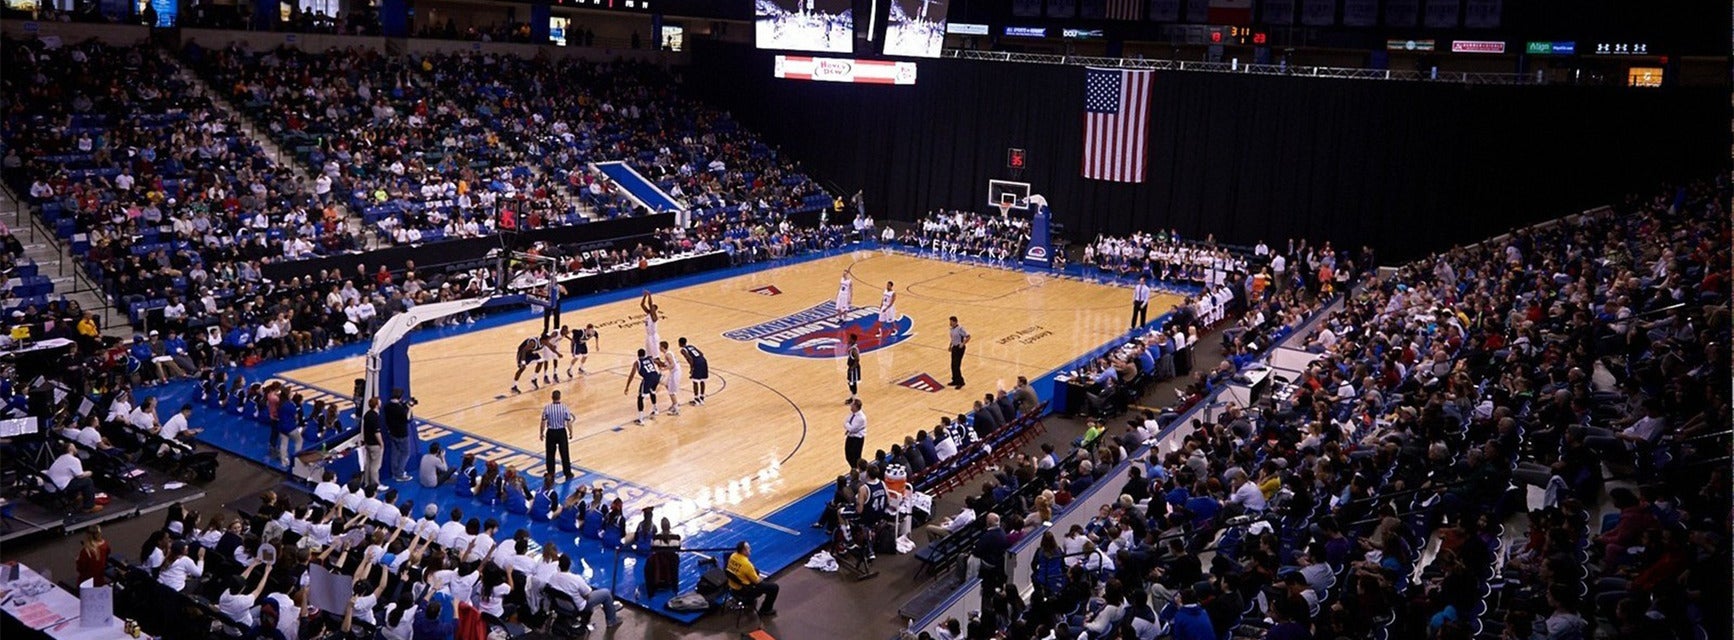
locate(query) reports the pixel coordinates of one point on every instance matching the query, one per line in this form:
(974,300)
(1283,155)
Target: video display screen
(916,28)
(805,25)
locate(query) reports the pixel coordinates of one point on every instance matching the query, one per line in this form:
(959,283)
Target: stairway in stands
(53,261)
(283,159)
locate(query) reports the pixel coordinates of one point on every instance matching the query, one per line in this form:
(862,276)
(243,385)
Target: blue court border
(781,539)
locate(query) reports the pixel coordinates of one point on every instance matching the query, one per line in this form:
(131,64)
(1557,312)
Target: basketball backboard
(1007,192)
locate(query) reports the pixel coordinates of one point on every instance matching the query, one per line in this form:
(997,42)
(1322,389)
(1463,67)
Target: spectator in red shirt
(93,557)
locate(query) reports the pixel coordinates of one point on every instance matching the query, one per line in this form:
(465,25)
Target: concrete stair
(55,260)
(287,160)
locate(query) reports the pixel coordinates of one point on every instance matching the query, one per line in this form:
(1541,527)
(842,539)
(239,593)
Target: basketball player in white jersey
(651,315)
(888,309)
(845,295)
(671,376)
(550,356)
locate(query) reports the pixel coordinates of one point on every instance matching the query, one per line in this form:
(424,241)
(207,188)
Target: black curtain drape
(1406,167)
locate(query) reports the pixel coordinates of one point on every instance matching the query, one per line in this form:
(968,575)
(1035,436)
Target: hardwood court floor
(771,431)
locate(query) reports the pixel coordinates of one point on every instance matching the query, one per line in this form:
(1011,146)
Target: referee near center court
(554,434)
(959,340)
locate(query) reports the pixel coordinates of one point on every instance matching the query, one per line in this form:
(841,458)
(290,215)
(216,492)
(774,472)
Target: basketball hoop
(1005,209)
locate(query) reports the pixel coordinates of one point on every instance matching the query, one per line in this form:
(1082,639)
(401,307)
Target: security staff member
(555,435)
(959,340)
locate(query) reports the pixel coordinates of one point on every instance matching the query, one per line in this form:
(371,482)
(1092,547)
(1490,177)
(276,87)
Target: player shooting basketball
(652,314)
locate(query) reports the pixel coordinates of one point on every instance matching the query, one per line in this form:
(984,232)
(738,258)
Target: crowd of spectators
(419,163)
(955,234)
(753,238)
(461,144)
(178,214)
(415,570)
(159,194)
(1371,498)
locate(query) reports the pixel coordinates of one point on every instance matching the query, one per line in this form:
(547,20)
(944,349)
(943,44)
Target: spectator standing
(397,421)
(93,557)
(372,441)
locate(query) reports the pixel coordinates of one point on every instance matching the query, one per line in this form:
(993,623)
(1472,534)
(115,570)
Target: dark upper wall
(1407,167)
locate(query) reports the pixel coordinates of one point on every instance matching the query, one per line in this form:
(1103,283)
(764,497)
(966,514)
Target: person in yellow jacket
(745,581)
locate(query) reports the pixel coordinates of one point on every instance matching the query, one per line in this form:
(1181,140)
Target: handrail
(1160,64)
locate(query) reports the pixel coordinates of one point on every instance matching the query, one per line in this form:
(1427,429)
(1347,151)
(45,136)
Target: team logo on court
(818,332)
(922,382)
(767,290)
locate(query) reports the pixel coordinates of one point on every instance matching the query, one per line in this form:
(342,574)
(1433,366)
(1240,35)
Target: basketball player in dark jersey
(578,342)
(873,505)
(853,373)
(529,352)
(697,368)
(650,376)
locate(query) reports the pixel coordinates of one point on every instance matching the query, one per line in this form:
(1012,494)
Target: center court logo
(816,332)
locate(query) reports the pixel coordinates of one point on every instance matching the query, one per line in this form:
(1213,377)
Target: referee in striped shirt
(554,434)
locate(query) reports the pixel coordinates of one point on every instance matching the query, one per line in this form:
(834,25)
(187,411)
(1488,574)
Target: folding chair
(850,545)
(569,620)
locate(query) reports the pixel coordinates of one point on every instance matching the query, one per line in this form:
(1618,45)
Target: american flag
(1125,9)
(1116,123)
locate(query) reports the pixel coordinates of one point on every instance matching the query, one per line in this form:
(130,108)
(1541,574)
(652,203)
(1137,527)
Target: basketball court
(771,431)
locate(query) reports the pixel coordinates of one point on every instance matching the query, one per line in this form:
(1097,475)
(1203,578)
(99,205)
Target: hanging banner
(1360,13)
(1027,8)
(1164,11)
(1318,13)
(1198,11)
(1482,14)
(1402,13)
(1278,12)
(1442,14)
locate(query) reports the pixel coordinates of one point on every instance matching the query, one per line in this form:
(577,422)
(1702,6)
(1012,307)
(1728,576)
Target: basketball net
(1005,209)
(521,276)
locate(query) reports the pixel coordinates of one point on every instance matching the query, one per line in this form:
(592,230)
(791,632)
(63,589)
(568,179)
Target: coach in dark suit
(1008,406)
(986,420)
(1000,416)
